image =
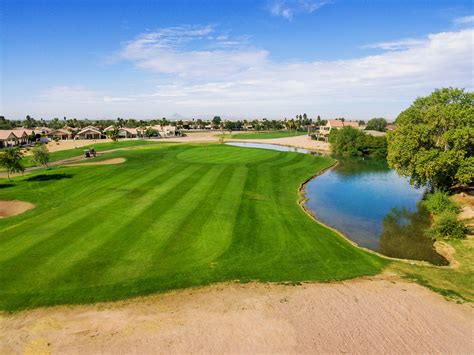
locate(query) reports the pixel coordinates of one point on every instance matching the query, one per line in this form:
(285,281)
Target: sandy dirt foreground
(358,316)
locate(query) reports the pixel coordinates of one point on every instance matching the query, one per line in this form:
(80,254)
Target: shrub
(353,142)
(447,225)
(439,202)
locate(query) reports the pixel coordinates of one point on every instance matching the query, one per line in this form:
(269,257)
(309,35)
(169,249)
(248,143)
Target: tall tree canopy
(376,124)
(434,140)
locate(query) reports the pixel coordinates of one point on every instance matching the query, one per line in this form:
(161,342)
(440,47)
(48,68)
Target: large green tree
(434,140)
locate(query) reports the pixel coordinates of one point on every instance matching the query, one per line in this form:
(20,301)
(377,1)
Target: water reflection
(404,236)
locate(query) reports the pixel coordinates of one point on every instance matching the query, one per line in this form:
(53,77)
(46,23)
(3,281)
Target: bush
(447,225)
(440,202)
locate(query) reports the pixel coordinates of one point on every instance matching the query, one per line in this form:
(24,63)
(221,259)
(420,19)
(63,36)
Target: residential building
(89,132)
(323,131)
(8,138)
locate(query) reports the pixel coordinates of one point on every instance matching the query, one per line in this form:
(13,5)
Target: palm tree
(11,160)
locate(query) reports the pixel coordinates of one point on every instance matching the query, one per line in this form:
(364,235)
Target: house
(61,133)
(124,132)
(8,138)
(390,127)
(165,131)
(25,135)
(127,132)
(323,131)
(89,132)
(42,130)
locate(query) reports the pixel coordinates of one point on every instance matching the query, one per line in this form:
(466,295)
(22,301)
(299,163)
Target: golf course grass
(70,153)
(171,216)
(267,135)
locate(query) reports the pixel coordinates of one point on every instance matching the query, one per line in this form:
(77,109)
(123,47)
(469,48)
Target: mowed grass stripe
(85,225)
(29,235)
(91,256)
(164,230)
(108,256)
(215,236)
(183,237)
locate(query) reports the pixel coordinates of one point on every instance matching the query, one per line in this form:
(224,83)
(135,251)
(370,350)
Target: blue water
(376,208)
(356,204)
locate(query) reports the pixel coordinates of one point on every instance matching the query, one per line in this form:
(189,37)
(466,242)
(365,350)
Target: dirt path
(358,316)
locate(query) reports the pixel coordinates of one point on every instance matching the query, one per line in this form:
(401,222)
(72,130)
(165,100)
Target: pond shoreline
(302,202)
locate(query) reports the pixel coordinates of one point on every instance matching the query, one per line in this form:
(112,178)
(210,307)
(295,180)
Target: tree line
(299,122)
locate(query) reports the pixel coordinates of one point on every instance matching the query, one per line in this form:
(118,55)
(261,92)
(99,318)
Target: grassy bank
(454,282)
(171,216)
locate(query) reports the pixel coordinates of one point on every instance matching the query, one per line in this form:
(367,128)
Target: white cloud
(289,8)
(244,80)
(241,81)
(465,20)
(70,94)
(396,45)
(161,51)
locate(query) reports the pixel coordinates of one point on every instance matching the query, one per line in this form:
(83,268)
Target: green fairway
(101,146)
(171,216)
(267,135)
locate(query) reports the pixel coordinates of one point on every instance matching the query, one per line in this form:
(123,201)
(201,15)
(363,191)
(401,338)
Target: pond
(376,208)
(371,205)
(280,148)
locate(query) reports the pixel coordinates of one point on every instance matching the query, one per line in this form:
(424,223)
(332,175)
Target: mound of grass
(267,135)
(171,216)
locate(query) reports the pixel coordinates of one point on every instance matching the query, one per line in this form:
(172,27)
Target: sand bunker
(358,316)
(13,208)
(102,162)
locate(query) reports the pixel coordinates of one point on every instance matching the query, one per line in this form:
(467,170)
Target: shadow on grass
(48,177)
(4,186)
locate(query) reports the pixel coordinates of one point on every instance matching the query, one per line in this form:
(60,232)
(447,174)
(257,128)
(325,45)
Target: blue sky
(238,59)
